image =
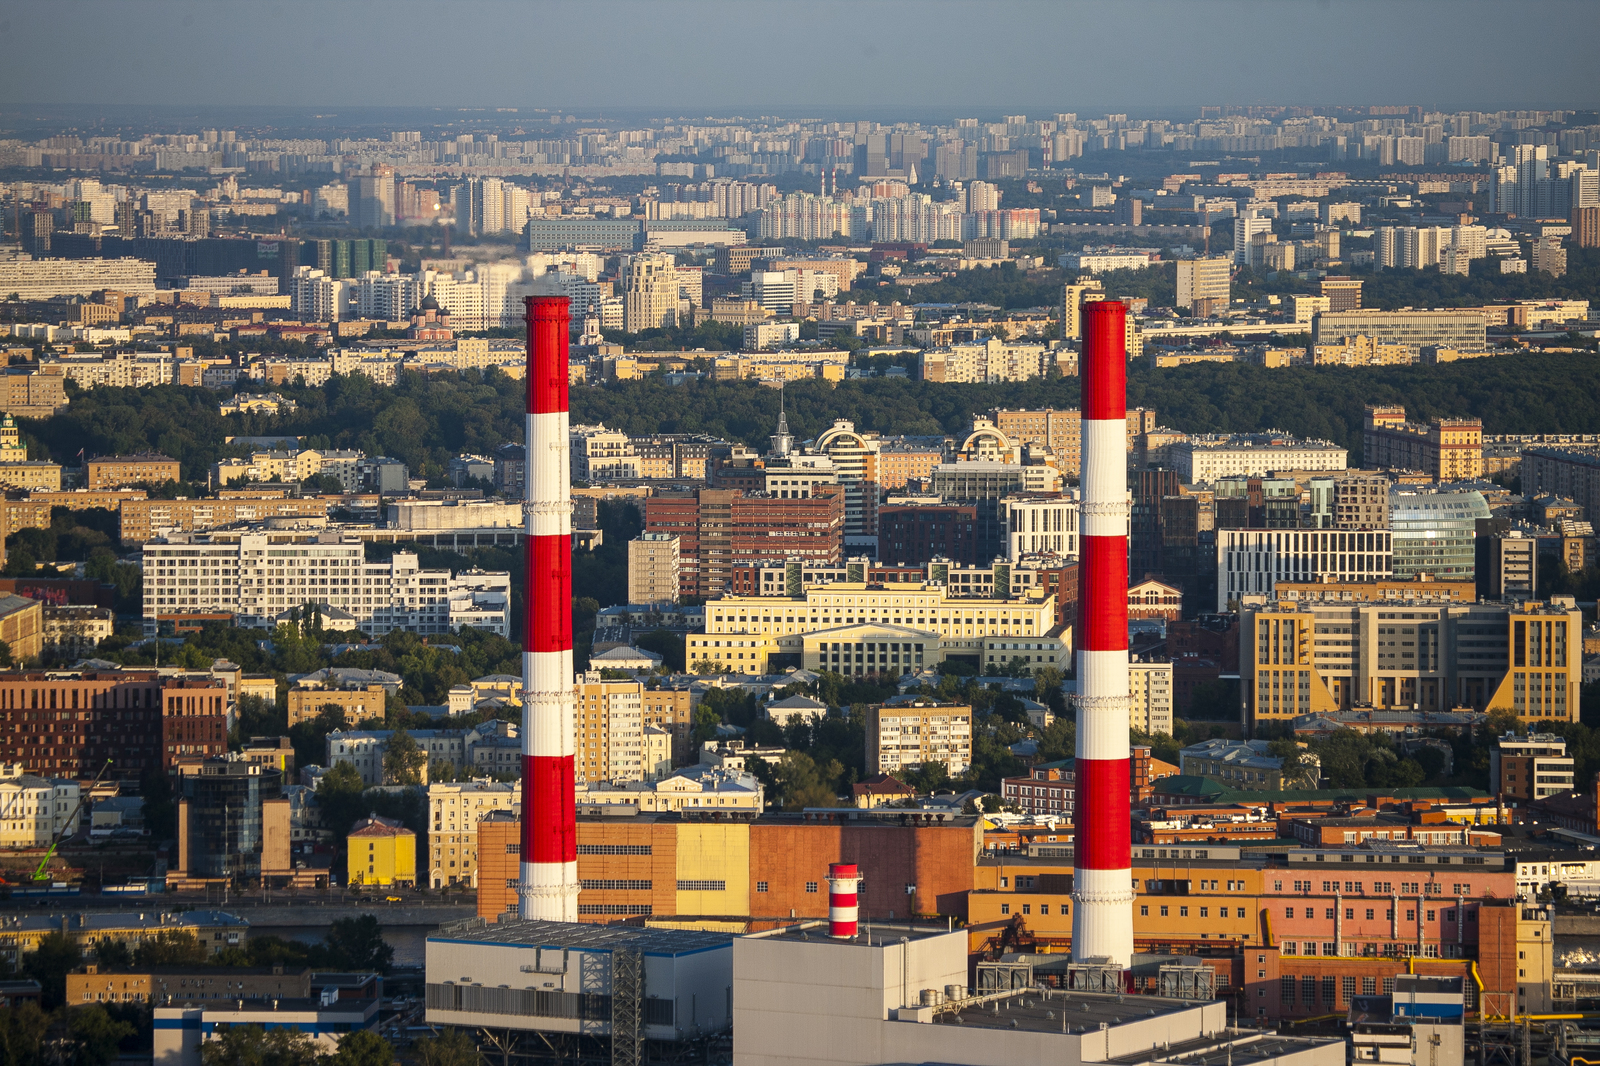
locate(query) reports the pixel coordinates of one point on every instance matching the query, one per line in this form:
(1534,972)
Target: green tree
(358,944)
(452,1048)
(170,947)
(112,954)
(97,1034)
(56,956)
(340,796)
(927,777)
(704,725)
(403,759)
(251,1045)
(22,1030)
(803,783)
(361,1048)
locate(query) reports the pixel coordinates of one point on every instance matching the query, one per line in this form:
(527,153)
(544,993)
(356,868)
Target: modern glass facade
(1434,533)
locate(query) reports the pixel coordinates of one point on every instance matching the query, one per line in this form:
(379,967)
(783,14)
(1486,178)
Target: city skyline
(687,56)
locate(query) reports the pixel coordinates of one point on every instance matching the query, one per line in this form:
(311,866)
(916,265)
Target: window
(1005,908)
(1027,908)
(1369,986)
(1370,913)
(1288,912)
(1205,912)
(1308,990)
(761,886)
(1388,986)
(1163,910)
(811,886)
(1349,988)
(1286,990)
(1328,914)
(1144,912)
(1329,991)
(614,886)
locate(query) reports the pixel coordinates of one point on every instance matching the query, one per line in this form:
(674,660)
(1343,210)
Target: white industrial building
(555,980)
(898,994)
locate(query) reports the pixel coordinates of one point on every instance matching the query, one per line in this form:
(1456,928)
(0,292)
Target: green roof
(1216,792)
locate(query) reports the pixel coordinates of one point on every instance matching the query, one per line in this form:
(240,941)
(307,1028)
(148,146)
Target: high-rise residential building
(719,529)
(1205,285)
(1434,532)
(1446,449)
(1409,655)
(1073,295)
(1586,227)
(653,568)
(1150,697)
(1245,229)
(990,360)
(1549,256)
(371,197)
(1251,562)
(911,731)
(649,293)
(608,731)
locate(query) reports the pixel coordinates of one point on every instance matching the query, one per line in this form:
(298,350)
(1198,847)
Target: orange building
(773,866)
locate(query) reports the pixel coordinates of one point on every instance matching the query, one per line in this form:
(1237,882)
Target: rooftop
(582,937)
(1056,1011)
(872,933)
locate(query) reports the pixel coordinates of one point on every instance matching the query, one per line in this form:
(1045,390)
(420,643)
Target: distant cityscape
(277,491)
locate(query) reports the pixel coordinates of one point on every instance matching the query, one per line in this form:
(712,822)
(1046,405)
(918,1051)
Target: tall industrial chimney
(1102,917)
(549,886)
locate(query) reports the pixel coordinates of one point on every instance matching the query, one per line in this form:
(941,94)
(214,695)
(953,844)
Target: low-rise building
(116,471)
(1526,769)
(1248,764)
(77,629)
(693,788)
(22,626)
(93,983)
(184,1028)
(34,810)
(381,852)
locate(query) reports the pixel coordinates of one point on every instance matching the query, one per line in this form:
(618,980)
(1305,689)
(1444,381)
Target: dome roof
(429,303)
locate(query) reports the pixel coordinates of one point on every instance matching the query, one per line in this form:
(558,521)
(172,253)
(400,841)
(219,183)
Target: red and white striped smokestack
(843,880)
(549,886)
(1102,919)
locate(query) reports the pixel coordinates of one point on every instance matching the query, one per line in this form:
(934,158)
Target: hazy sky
(820,57)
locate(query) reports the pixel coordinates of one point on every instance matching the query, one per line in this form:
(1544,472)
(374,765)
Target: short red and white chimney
(843,880)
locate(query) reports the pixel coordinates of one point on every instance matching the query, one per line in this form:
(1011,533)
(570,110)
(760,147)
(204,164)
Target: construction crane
(41,874)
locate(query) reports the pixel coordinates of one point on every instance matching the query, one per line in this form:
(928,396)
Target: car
(392,899)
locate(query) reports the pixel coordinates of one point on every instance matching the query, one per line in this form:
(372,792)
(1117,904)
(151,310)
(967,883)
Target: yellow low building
(359,704)
(382,852)
(32,475)
(22,626)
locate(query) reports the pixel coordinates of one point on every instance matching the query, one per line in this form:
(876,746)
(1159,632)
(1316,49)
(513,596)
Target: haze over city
(771,534)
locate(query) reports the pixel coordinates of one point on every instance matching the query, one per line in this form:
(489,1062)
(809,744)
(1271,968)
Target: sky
(822,58)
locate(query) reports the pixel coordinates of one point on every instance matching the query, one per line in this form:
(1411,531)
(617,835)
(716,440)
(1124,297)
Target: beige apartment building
(1446,449)
(653,568)
(141,518)
(910,731)
(454,811)
(1060,431)
(608,731)
(1150,697)
(115,471)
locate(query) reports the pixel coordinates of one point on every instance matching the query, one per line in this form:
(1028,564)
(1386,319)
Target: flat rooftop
(1238,1046)
(878,932)
(584,937)
(1055,1011)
